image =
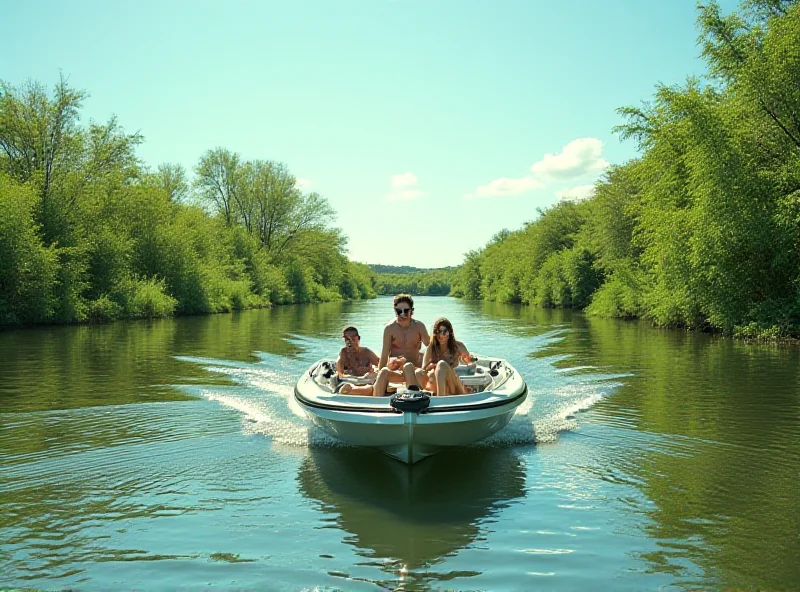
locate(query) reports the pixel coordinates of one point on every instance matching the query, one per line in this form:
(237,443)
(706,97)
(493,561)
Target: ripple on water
(263,395)
(678,480)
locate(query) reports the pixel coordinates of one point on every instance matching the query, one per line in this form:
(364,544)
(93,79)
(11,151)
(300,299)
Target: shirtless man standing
(402,339)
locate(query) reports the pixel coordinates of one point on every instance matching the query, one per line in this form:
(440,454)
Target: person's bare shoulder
(391,329)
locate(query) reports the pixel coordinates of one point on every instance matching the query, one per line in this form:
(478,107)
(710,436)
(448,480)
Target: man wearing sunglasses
(403,337)
(400,357)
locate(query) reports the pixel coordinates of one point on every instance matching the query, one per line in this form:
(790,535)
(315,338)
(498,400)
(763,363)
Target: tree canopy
(703,229)
(90,232)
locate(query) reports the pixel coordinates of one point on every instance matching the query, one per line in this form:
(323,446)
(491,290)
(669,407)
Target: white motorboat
(411,424)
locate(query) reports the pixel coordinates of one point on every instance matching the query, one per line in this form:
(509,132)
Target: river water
(161,455)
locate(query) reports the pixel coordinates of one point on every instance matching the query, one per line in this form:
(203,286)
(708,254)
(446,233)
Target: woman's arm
(463,353)
(426,359)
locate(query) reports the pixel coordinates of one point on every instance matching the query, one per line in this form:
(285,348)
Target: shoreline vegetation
(90,233)
(702,230)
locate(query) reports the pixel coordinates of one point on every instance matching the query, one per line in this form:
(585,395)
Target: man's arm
(387,347)
(423,335)
(340,364)
(373,357)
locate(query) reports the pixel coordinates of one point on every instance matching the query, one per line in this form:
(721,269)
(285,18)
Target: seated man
(356,361)
(402,339)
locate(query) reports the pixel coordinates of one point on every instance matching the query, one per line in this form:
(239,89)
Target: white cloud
(576,193)
(404,188)
(579,157)
(302,183)
(403,180)
(505,186)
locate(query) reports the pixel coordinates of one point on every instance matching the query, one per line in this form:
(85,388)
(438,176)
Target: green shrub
(147,298)
(28,270)
(71,284)
(619,297)
(103,310)
(320,293)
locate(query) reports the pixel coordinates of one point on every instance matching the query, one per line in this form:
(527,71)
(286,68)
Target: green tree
(28,270)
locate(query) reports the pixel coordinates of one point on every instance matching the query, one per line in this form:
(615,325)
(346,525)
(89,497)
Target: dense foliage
(88,232)
(412,280)
(703,230)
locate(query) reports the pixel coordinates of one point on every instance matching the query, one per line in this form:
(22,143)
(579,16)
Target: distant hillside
(390,279)
(377,268)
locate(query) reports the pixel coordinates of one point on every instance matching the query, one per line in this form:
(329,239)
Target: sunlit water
(170,454)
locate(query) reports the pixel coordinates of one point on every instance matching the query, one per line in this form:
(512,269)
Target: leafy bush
(71,285)
(28,270)
(618,297)
(147,298)
(103,310)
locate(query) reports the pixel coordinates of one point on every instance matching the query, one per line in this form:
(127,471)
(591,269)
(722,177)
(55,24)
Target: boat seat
(474,378)
(357,379)
(467,369)
(337,381)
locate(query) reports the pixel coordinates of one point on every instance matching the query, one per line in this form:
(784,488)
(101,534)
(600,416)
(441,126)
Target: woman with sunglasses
(438,373)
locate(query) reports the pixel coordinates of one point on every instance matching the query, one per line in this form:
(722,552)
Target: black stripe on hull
(389,410)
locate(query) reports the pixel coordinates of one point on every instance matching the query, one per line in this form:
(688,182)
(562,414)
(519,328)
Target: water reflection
(51,368)
(414,516)
(704,429)
(714,423)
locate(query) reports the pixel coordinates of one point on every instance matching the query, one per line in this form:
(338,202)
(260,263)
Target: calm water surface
(169,454)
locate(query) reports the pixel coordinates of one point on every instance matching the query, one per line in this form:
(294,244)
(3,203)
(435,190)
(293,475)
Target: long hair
(451,339)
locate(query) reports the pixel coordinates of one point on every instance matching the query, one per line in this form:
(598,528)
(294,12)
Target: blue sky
(429,125)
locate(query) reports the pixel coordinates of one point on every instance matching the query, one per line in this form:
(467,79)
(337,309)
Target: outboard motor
(410,399)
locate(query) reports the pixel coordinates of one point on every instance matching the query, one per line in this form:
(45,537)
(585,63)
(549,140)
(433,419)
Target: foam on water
(263,394)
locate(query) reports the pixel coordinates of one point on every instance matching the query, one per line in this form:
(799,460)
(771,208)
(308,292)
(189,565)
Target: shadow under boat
(412,514)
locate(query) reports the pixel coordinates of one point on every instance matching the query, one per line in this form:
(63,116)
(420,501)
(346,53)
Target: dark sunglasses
(442,331)
(402,311)
(350,337)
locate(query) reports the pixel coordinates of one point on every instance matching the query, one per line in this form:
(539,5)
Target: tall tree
(172,179)
(42,144)
(282,214)
(219,181)
(755,54)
